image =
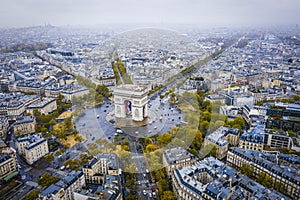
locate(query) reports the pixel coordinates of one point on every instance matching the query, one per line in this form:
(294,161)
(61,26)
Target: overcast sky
(16,13)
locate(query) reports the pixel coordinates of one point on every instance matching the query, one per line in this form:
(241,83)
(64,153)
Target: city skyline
(18,13)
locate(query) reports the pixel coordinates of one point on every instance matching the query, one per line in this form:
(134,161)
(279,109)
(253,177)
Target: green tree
(164,138)
(168,195)
(47,180)
(49,158)
(103,90)
(206,116)
(296,98)
(197,142)
(239,122)
(279,187)
(32,195)
(247,170)
(213,152)
(160,174)
(151,148)
(265,180)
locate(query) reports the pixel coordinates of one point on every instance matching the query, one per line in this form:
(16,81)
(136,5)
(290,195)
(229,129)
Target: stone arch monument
(131,101)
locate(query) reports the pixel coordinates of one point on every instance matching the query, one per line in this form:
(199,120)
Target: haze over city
(20,13)
(148,100)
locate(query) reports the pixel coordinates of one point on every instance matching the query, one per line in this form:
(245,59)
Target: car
(144,192)
(139,182)
(119,131)
(150,195)
(154,194)
(98,116)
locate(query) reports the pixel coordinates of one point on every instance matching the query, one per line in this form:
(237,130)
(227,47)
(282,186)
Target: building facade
(211,179)
(287,175)
(8,166)
(32,148)
(24,125)
(177,158)
(221,138)
(3,126)
(45,106)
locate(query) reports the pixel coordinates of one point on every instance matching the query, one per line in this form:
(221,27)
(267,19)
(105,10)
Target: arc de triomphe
(131,101)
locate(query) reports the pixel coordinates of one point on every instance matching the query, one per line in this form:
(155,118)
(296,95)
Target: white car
(144,192)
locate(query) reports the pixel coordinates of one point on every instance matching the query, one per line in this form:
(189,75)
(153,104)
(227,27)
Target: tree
(206,116)
(151,148)
(32,195)
(160,174)
(117,139)
(103,90)
(46,180)
(296,98)
(49,158)
(265,180)
(168,195)
(78,138)
(204,126)
(279,187)
(247,170)
(197,142)
(213,152)
(164,138)
(239,122)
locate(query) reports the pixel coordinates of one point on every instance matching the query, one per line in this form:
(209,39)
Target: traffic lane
(22,192)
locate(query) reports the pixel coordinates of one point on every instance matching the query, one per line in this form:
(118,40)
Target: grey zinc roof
(52,189)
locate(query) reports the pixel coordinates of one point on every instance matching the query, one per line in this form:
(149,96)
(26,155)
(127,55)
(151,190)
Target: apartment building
(285,174)
(176,158)
(212,179)
(8,167)
(3,126)
(45,106)
(221,139)
(24,125)
(32,148)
